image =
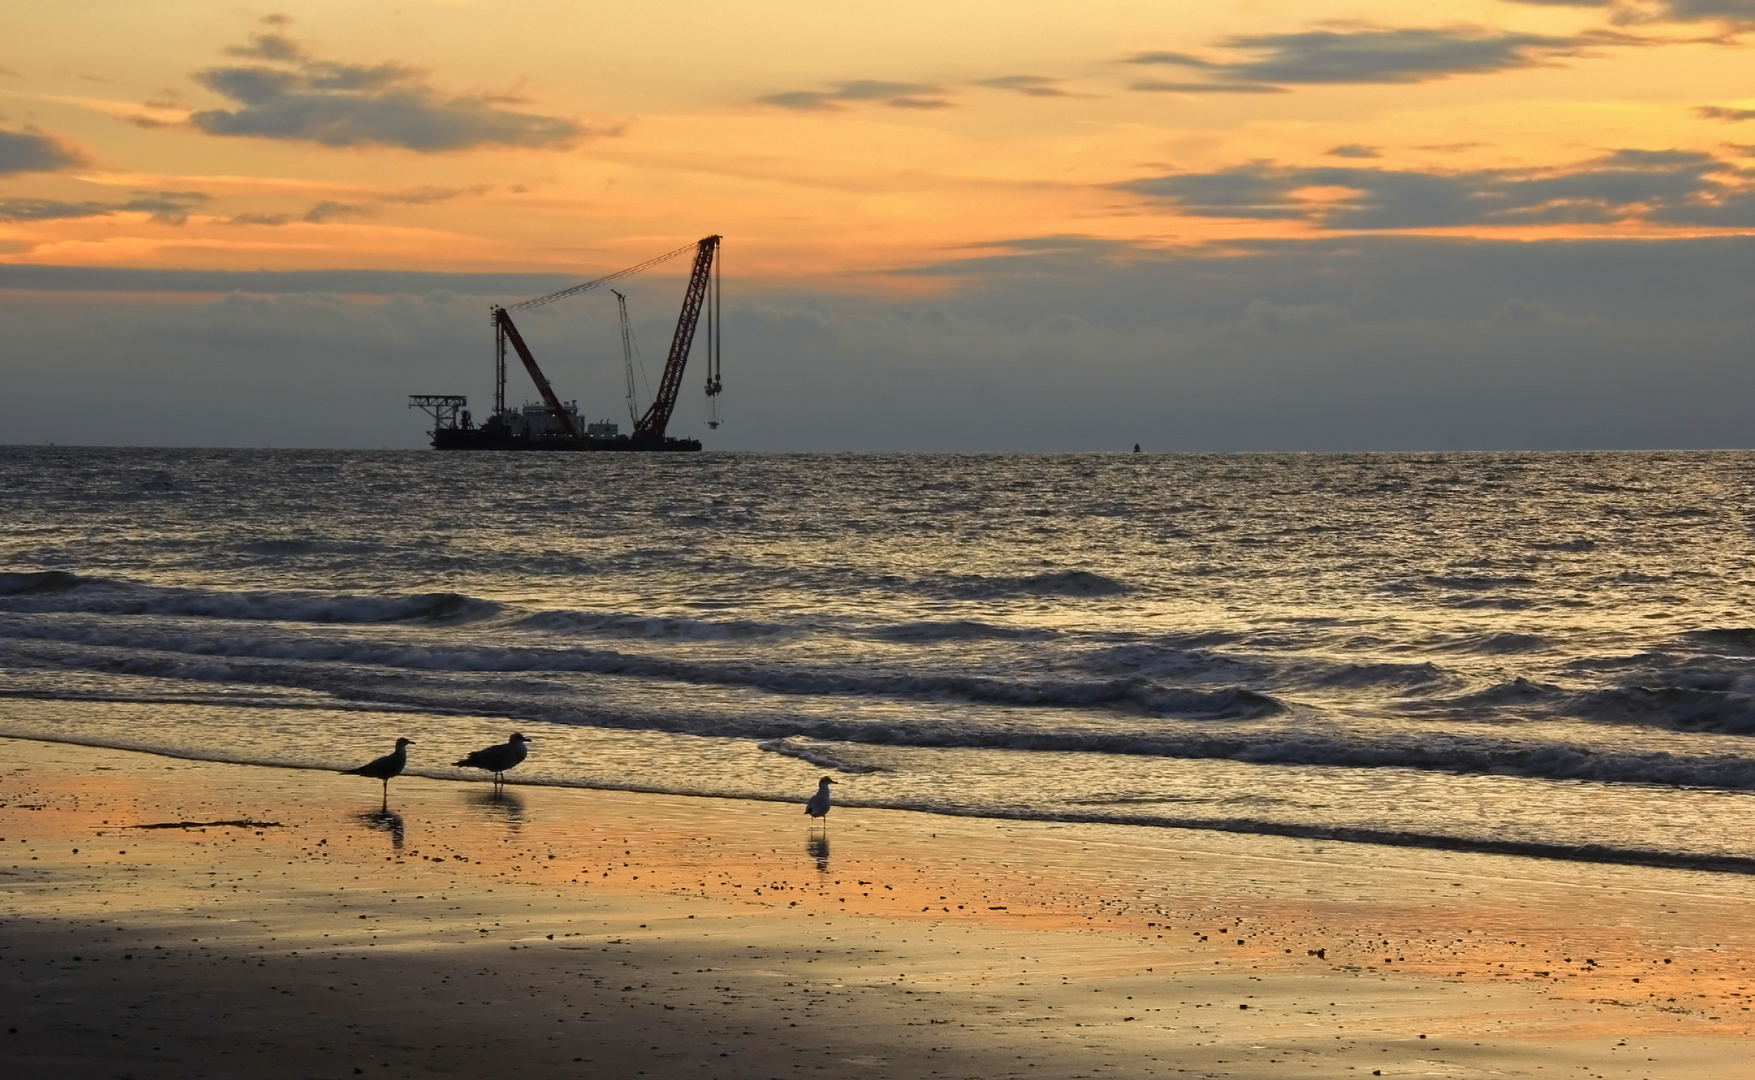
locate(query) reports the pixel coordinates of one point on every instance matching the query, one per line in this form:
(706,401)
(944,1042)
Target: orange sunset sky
(884,153)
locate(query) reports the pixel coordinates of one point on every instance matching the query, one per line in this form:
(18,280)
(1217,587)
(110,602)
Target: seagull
(384,768)
(497,759)
(818,807)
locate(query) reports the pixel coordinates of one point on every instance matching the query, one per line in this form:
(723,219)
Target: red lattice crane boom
(508,332)
(657,418)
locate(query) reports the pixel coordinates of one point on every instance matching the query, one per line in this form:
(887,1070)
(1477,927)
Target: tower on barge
(557,425)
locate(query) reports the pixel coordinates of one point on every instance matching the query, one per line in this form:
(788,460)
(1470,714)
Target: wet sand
(566,932)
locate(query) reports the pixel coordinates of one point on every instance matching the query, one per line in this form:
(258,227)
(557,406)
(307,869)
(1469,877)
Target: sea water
(1541,653)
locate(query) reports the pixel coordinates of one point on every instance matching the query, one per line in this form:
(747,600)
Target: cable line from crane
(589,285)
(714,383)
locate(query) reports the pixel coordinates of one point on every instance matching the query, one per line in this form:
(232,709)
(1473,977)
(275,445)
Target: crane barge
(557,425)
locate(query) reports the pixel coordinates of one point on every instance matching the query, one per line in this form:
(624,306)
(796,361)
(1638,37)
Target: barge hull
(487,438)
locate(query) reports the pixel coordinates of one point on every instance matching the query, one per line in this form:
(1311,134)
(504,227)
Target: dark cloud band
(1670,187)
(27,152)
(1368,56)
(165,207)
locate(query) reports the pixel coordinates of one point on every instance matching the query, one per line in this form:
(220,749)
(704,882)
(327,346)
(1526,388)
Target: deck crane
(628,352)
(651,426)
(649,430)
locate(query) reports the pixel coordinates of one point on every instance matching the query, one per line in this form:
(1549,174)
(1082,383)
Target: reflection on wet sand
(386,821)
(503,802)
(818,847)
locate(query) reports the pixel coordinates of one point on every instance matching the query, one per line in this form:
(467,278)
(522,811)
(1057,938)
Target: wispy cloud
(1368,55)
(1665,187)
(296,97)
(1159,86)
(1354,150)
(1028,85)
(1732,13)
(330,210)
(258,219)
(422,195)
(1718,112)
(897,95)
(165,207)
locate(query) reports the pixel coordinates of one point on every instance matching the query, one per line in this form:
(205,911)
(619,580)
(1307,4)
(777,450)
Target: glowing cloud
(303,99)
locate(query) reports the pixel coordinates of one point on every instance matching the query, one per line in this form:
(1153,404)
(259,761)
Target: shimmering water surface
(1543,652)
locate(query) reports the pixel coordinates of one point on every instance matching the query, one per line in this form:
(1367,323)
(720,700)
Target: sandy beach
(173,918)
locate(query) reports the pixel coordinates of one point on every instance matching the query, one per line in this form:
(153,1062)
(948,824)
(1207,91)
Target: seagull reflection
(503,802)
(386,821)
(818,847)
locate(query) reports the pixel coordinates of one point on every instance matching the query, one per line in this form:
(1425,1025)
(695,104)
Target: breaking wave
(47,581)
(1130,694)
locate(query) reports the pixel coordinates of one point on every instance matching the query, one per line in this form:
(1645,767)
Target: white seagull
(384,768)
(497,759)
(819,804)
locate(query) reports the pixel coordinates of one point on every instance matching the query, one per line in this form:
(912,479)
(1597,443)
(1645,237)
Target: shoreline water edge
(167,917)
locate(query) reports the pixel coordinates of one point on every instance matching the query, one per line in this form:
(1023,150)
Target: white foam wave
(1129,694)
(820,756)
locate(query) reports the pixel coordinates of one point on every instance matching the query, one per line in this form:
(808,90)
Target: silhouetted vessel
(556,425)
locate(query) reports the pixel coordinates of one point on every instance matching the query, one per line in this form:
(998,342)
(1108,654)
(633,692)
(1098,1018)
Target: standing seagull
(384,768)
(818,807)
(497,759)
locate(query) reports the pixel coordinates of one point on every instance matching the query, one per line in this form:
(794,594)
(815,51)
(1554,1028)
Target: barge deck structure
(557,425)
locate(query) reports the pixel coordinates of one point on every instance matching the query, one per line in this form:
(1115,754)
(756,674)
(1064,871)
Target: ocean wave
(1518,691)
(46,581)
(1386,674)
(1133,694)
(1739,640)
(1678,708)
(1495,603)
(1081,583)
(1580,544)
(817,755)
(1498,644)
(1157,661)
(54,592)
(958,630)
(307,545)
(1477,582)
(620,625)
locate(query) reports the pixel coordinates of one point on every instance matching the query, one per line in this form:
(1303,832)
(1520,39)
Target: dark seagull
(384,768)
(818,807)
(497,759)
